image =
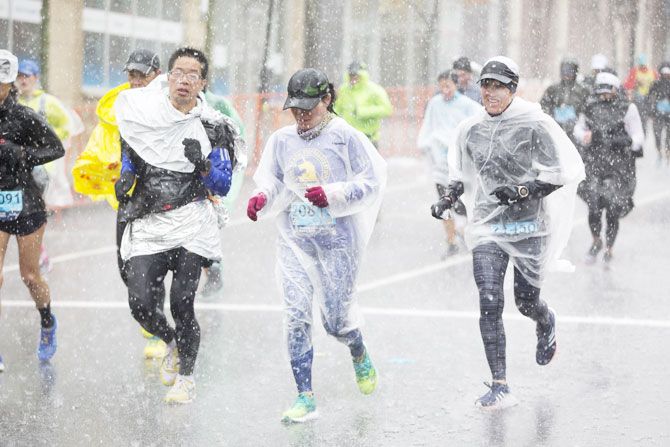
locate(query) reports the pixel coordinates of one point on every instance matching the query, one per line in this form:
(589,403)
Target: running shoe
(2,365)
(182,392)
(170,367)
(303,409)
(214,282)
(593,251)
(498,397)
(546,340)
(155,348)
(366,374)
(45,263)
(48,344)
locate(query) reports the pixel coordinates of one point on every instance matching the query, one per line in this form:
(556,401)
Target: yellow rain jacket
(98,167)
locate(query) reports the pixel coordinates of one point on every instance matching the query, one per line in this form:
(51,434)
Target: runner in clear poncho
(326,180)
(517,172)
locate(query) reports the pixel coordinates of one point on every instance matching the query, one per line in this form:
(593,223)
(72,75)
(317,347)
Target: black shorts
(24,225)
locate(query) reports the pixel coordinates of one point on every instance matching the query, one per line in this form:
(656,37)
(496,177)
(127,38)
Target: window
(20,29)
(98,4)
(26,38)
(114,28)
(94,66)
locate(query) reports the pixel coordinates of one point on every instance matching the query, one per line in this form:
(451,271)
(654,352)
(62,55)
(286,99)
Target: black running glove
(123,186)
(453,192)
(193,153)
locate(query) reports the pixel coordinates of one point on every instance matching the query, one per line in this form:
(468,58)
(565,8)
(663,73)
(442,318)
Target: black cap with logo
(142,60)
(306,88)
(502,69)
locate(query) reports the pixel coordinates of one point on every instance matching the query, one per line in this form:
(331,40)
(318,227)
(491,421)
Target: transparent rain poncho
(320,249)
(520,145)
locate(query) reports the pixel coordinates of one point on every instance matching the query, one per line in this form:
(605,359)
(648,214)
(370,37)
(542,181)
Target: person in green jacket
(363,103)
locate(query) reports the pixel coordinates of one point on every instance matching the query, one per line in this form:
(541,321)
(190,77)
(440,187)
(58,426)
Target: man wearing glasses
(176,153)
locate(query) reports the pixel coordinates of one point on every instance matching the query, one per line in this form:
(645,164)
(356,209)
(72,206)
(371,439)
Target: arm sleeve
(547,102)
(43,145)
(220,172)
(269,176)
(362,190)
(126,162)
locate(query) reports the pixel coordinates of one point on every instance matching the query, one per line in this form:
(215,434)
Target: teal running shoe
(303,409)
(366,374)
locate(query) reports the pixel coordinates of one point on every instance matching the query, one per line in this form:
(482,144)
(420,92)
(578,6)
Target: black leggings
(659,124)
(123,266)
(146,275)
(596,224)
(490,263)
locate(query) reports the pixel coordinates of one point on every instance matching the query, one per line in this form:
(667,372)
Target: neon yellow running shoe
(145,333)
(366,374)
(170,367)
(155,348)
(303,409)
(182,392)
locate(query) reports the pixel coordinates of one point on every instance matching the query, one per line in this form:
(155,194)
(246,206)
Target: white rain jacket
(320,248)
(520,145)
(438,130)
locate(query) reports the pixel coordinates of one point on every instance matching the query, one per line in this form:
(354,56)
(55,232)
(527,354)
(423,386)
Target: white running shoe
(182,392)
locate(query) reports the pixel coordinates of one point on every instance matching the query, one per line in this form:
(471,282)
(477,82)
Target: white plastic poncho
(522,144)
(155,130)
(319,249)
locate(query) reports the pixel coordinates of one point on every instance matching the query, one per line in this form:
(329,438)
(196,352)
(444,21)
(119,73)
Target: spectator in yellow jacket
(363,103)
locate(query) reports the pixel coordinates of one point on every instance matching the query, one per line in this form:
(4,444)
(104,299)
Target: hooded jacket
(363,105)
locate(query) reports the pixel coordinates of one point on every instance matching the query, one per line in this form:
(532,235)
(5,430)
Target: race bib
(307,216)
(11,205)
(663,106)
(515,228)
(564,114)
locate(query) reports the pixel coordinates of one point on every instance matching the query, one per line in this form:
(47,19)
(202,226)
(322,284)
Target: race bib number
(515,228)
(305,215)
(663,106)
(564,114)
(11,205)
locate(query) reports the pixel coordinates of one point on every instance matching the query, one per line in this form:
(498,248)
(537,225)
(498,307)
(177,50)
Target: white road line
(377,311)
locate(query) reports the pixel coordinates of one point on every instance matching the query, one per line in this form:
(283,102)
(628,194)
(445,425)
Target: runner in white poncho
(517,172)
(326,180)
(174,161)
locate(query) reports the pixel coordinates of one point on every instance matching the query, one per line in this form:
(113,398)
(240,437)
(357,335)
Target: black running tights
(145,275)
(490,263)
(596,224)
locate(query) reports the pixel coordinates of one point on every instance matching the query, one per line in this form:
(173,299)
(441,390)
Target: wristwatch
(522,190)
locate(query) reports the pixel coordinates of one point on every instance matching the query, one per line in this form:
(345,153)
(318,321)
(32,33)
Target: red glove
(317,196)
(256,203)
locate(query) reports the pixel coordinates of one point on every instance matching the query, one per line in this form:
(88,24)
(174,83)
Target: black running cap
(142,60)
(306,88)
(502,69)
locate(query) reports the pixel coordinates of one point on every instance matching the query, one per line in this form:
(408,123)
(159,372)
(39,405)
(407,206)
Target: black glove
(123,186)
(193,153)
(508,195)
(442,205)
